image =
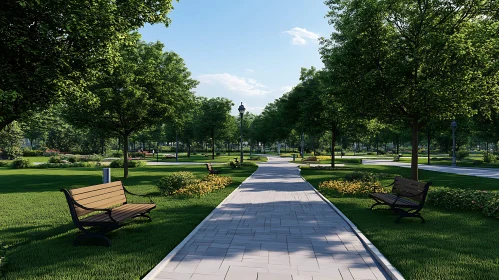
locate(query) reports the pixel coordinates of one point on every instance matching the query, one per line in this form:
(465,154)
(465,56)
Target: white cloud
(302,36)
(250,70)
(233,83)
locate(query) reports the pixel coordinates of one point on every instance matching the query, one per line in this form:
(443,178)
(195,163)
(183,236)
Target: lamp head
(241,109)
(453,124)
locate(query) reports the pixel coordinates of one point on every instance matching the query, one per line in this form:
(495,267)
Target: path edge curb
(164,262)
(387,266)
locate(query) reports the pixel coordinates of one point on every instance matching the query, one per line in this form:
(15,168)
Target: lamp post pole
(241,110)
(453,125)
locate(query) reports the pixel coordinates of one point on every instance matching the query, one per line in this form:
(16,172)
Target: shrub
(470,200)
(117,154)
(199,188)
(94,157)
(217,154)
(310,159)
(73,159)
(462,154)
(55,159)
(4,163)
(361,176)
(489,158)
(254,158)
(51,153)
(348,187)
(218,182)
(136,154)
(175,181)
(461,199)
(20,163)
(118,163)
(32,153)
(250,164)
(349,160)
(64,165)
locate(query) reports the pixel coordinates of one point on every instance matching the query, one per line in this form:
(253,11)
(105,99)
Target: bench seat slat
(120,213)
(390,199)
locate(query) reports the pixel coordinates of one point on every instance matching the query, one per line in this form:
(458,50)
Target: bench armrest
(380,187)
(143,195)
(108,211)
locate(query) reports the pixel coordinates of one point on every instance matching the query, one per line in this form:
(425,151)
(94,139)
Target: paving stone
(274,226)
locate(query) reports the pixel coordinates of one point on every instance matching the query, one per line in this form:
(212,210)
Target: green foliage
(119,163)
(4,163)
(361,176)
(471,200)
(64,165)
(20,163)
(55,159)
(462,154)
(87,158)
(349,187)
(32,153)
(175,181)
(71,48)
(200,188)
(489,158)
(11,139)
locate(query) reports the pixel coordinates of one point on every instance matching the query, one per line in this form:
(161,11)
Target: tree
(51,48)
(11,140)
(145,88)
(214,114)
(412,60)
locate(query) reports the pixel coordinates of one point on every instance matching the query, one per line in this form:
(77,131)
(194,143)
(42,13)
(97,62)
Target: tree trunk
(176,146)
(189,150)
(428,135)
(333,143)
(125,154)
(212,144)
(414,156)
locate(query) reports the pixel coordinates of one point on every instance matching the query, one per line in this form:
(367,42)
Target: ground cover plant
(452,244)
(36,224)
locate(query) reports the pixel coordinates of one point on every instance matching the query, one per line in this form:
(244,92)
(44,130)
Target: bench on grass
(86,203)
(406,199)
(211,170)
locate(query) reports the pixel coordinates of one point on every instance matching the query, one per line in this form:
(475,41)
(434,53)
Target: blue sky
(249,51)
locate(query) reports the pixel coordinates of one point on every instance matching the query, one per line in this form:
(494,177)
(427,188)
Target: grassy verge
(451,245)
(467,162)
(36,225)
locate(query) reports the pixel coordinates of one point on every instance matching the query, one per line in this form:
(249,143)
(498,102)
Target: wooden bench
(406,199)
(211,170)
(86,203)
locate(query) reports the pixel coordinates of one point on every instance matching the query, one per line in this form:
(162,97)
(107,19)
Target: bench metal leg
(403,213)
(376,204)
(145,215)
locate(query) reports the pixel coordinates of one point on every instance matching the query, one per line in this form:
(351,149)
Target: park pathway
(274,226)
(469,171)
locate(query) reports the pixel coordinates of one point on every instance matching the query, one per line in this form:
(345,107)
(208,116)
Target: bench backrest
(411,189)
(210,168)
(98,196)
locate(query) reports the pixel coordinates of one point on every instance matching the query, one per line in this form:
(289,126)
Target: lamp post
(241,110)
(453,125)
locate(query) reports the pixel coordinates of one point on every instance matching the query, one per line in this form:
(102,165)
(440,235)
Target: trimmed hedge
(118,163)
(469,200)
(20,163)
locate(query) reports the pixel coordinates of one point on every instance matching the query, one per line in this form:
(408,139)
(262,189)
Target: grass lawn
(450,245)
(36,225)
